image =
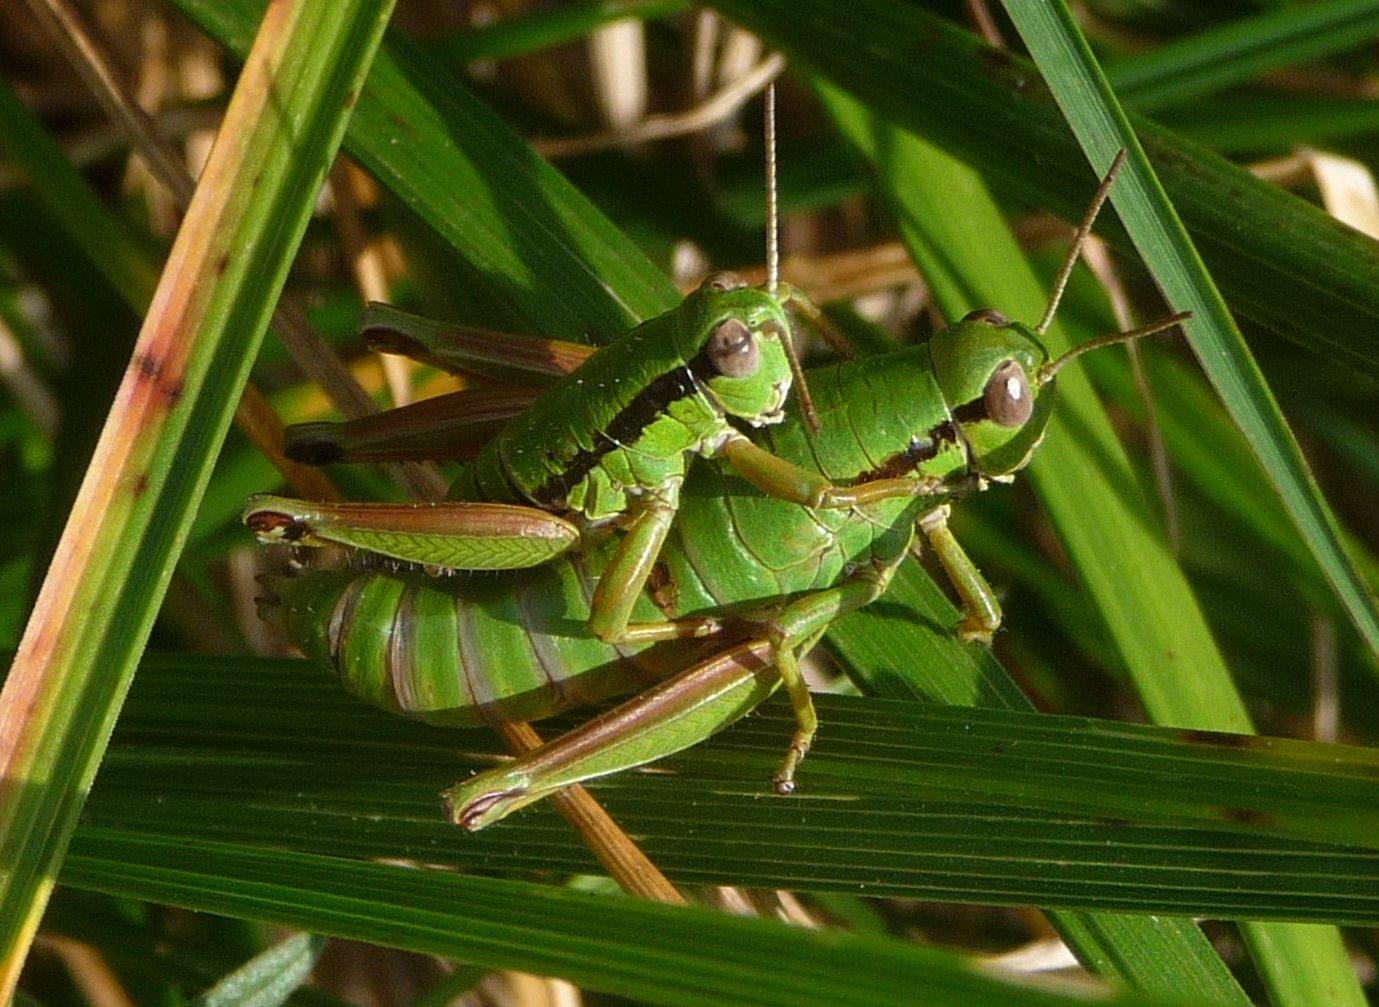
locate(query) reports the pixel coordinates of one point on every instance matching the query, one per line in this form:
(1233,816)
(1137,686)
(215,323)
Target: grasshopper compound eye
(987,316)
(732,350)
(1008,399)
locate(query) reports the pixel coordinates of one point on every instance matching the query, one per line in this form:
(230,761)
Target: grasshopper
(967,408)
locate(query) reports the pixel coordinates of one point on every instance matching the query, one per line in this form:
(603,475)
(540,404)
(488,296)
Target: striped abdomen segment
(462,650)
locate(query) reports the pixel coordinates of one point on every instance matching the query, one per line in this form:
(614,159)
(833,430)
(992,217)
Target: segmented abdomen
(467,649)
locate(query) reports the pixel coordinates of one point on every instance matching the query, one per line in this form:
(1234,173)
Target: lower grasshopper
(918,427)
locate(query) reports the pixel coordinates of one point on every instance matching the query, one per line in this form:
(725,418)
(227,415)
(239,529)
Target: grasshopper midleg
(980,607)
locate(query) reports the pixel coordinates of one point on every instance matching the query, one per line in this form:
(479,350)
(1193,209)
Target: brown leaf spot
(151,367)
(1248,816)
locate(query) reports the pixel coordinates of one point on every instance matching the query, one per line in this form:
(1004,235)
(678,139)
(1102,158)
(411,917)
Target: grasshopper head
(991,373)
(733,337)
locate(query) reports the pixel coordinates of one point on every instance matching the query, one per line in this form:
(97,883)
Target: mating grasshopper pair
(784,533)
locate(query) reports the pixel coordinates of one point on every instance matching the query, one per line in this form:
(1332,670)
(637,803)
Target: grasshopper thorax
(989,371)
(733,338)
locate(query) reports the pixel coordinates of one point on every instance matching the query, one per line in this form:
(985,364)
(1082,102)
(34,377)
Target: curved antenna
(1047,372)
(1079,239)
(807,410)
(772,202)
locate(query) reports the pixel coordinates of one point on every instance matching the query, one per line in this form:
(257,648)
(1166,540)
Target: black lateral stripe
(972,412)
(920,449)
(627,426)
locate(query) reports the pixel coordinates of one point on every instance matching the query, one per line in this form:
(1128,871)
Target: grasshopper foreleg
(787,481)
(981,611)
(622,580)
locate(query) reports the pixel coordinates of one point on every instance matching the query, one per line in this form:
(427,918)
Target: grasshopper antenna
(1079,239)
(1047,372)
(772,202)
(811,417)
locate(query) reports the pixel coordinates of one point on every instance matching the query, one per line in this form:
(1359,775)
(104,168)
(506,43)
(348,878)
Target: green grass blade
(541,29)
(1163,954)
(1280,260)
(1240,51)
(69,199)
(79,652)
(910,800)
(1301,964)
(1082,92)
(1164,245)
(635,949)
(269,979)
(1251,124)
(549,263)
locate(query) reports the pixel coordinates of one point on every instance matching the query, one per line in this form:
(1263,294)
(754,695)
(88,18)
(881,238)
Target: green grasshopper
(611,440)
(968,407)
